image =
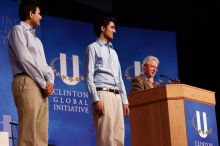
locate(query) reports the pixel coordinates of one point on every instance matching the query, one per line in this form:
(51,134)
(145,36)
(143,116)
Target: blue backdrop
(65,42)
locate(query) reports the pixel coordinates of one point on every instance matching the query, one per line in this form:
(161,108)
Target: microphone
(172,80)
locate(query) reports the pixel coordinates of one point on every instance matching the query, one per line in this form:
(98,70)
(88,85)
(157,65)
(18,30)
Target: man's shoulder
(138,77)
(17,27)
(93,46)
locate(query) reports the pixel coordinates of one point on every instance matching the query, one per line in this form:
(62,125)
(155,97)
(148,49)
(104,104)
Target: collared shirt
(146,78)
(103,70)
(26,54)
(149,81)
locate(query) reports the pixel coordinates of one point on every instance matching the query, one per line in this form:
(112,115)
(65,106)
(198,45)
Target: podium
(173,115)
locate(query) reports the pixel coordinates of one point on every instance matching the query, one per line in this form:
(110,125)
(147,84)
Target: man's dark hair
(25,7)
(102,21)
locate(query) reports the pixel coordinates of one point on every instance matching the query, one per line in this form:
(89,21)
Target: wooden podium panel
(157,115)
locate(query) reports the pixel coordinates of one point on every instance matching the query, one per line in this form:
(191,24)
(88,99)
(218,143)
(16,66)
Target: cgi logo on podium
(201,124)
(202,133)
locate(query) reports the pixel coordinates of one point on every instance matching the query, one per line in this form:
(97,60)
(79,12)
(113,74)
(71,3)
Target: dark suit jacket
(139,83)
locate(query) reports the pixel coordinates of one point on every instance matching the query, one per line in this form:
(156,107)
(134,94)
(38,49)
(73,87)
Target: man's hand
(49,89)
(126,110)
(99,108)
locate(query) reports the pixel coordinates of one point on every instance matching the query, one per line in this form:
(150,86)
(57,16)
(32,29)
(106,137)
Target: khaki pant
(32,112)
(110,126)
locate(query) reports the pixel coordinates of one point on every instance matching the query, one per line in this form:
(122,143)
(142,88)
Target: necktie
(150,84)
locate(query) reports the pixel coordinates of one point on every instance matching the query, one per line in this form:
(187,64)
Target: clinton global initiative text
(70,101)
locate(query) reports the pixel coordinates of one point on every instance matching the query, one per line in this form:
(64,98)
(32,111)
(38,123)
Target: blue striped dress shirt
(103,70)
(26,54)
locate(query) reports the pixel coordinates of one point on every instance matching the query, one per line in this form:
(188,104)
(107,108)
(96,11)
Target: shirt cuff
(124,100)
(95,99)
(43,85)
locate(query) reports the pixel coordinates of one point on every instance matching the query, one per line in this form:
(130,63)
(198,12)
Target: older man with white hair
(146,79)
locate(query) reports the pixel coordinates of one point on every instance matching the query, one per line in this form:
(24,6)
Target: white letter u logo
(63,70)
(202,133)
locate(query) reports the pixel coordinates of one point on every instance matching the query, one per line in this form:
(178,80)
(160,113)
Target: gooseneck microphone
(175,81)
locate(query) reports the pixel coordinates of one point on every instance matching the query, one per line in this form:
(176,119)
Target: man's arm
(126,110)
(122,89)
(89,74)
(136,84)
(89,77)
(48,74)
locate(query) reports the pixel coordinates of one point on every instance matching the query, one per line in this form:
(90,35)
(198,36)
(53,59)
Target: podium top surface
(172,92)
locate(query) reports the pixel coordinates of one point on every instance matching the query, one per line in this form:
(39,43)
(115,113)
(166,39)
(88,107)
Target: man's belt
(107,89)
(20,74)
